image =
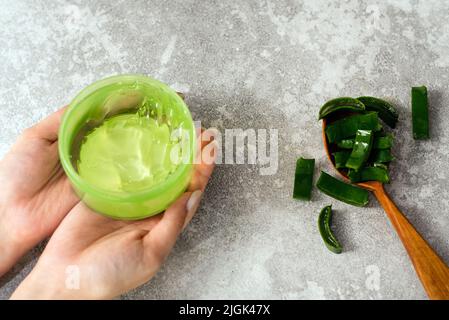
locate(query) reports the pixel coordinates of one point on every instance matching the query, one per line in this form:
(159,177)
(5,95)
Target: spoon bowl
(369,185)
(430,268)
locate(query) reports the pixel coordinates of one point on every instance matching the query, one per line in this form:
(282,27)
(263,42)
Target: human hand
(104,257)
(36,194)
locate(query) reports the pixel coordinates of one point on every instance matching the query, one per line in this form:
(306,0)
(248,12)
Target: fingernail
(192,205)
(194,200)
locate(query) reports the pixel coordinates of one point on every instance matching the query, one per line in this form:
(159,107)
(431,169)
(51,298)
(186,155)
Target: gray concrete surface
(255,64)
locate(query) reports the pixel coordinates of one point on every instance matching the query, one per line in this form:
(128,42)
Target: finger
(207,136)
(148,223)
(204,169)
(192,206)
(48,128)
(161,239)
(203,138)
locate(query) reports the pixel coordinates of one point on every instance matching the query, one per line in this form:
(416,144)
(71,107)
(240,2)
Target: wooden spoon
(431,270)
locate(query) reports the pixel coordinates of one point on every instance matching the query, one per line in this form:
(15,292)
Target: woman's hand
(35,194)
(94,257)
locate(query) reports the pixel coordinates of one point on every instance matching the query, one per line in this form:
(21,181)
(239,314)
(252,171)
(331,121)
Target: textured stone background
(255,64)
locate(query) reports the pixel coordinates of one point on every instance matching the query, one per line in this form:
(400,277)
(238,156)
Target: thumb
(48,128)
(161,239)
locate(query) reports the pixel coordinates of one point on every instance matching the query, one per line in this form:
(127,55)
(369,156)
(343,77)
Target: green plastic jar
(113,96)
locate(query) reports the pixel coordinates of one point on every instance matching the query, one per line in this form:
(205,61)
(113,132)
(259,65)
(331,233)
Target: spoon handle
(432,271)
